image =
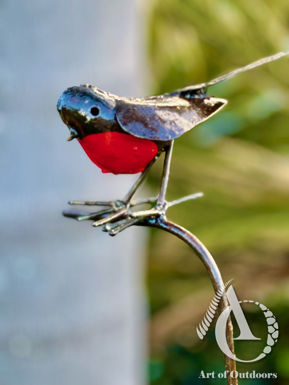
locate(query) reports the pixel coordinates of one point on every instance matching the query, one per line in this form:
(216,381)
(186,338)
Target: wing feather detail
(166,119)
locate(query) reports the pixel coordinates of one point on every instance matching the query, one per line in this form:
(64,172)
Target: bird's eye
(94,111)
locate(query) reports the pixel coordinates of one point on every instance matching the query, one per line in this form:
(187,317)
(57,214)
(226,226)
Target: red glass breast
(119,153)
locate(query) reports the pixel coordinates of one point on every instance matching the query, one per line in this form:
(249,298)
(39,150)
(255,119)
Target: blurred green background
(240,160)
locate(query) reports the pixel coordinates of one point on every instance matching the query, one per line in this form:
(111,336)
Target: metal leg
(114,209)
(159,207)
(117,204)
(139,181)
(165,177)
(120,214)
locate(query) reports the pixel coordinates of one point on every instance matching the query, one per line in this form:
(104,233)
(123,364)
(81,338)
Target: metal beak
(73,134)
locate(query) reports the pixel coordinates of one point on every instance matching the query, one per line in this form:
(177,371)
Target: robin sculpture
(127,135)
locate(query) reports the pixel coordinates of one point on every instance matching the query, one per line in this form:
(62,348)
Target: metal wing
(165,118)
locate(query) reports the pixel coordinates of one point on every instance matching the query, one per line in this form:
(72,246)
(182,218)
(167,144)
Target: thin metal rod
(213,270)
(185,199)
(139,181)
(90,203)
(166,174)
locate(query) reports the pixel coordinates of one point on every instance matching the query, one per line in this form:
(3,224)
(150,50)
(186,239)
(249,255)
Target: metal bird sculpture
(127,135)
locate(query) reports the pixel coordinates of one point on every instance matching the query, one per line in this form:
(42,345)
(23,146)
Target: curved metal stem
(203,253)
(212,268)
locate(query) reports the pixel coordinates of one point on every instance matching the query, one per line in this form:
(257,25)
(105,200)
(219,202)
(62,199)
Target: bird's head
(86,110)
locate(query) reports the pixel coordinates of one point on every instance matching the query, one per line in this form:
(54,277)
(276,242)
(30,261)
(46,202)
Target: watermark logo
(245,331)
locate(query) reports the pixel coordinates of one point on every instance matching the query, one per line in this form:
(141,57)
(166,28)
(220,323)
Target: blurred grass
(240,160)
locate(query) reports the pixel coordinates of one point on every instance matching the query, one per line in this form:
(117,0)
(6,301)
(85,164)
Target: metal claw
(185,198)
(90,203)
(82,216)
(97,215)
(115,228)
(146,213)
(110,218)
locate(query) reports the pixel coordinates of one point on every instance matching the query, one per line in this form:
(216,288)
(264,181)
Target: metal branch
(114,223)
(212,268)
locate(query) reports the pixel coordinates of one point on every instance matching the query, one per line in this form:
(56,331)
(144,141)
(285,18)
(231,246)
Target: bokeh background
(240,160)
(74,304)
(71,299)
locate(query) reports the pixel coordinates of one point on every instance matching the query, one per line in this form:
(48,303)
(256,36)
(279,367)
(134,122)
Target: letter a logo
(245,331)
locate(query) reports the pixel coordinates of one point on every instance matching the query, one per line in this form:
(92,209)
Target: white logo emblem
(245,331)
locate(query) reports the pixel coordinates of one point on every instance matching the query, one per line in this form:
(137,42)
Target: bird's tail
(236,72)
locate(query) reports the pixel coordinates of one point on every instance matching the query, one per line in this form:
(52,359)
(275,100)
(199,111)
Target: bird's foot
(118,215)
(112,210)
(114,205)
(132,218)
(138,217)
